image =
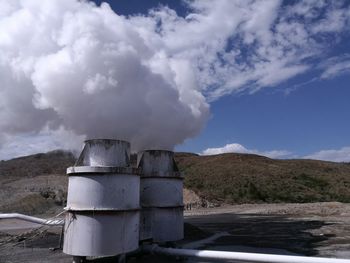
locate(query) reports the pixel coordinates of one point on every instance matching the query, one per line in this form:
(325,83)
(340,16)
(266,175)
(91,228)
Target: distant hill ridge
(223,178)
(54,162)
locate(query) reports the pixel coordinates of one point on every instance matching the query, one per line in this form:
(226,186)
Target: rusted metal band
(102,170)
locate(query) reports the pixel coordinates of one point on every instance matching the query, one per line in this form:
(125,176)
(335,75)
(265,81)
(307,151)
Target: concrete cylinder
(103,214)
(101,233)
(161,197)
(161,192)
(103,188)
(105,152)
(157,163)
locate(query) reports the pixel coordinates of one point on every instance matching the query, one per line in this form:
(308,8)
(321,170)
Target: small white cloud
(336,68)
(233,147)
(238,148)
(340,155)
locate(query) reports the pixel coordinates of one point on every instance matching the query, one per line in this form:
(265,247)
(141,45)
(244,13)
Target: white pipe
(250,257)
(37,220)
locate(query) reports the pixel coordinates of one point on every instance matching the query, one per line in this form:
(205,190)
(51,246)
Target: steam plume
(74,66)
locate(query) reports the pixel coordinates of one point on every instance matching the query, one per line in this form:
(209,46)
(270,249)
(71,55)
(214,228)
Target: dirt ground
(315,229)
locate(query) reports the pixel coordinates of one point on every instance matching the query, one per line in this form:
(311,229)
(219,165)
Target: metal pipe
(244,257)
(37,220)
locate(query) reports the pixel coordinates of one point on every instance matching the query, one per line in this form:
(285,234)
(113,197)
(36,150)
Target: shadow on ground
(263,231)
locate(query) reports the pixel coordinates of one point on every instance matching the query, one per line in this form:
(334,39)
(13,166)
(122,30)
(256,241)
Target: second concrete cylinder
(161,197)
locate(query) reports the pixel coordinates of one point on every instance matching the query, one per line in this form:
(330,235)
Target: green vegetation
(247,178)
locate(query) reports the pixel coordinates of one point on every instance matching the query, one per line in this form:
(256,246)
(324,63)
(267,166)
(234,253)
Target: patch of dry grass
(247,178)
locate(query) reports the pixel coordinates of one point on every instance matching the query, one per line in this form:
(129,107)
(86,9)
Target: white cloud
(238,46)
(334,20)
(335,66)
(335,155)
(238,148)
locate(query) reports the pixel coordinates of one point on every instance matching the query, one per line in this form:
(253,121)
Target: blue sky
(264,77)
(302,115)
(310,118)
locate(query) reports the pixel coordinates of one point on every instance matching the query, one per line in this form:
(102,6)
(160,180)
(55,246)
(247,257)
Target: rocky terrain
(35,184)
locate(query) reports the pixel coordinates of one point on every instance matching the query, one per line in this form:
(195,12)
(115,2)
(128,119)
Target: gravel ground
(317,229)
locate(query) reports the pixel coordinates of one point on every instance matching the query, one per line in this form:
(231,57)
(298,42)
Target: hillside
(37,184)
(54,162)
(247,178)
(34,184)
